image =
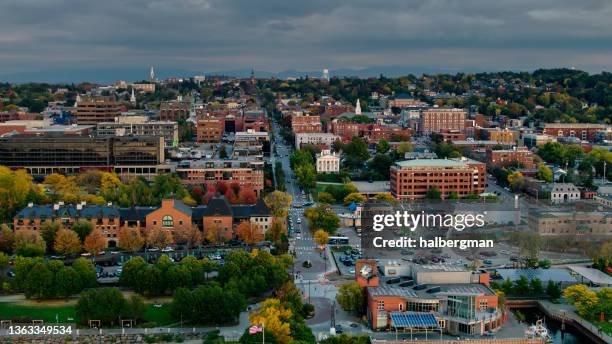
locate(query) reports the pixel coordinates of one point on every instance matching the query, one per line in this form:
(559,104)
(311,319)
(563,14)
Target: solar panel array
(413,320)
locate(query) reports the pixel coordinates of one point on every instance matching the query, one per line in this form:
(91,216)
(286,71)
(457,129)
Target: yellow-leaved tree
(275,318)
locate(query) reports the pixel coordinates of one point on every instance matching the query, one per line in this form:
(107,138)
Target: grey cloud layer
(276,35)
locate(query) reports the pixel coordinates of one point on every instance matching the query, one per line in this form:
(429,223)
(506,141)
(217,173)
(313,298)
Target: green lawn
(319,188)
(46,313)
(10,310)
(605,326)
(161,316)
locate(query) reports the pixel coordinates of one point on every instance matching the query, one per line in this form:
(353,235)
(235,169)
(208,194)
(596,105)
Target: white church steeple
(358,108)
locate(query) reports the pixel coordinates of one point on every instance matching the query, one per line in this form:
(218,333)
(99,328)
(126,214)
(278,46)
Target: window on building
(381,305)
(483,304)
(167,221)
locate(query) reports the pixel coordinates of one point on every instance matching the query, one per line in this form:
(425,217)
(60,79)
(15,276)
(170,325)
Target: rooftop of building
(459,162)
(575,125)
(377,186)
(475,142)
(218,206)
(430,291)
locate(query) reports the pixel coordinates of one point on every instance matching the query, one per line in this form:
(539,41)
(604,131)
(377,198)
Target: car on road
(352,271)
(299,220)
(153,249)
(339,329)
(85,254)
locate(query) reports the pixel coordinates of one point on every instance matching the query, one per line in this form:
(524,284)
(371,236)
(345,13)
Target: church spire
(133,97)
(358,108)
(152,74)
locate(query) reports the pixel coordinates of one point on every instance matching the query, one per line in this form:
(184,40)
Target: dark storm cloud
(309,35)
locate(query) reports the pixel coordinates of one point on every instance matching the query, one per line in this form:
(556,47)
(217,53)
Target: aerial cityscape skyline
(74,42)
(315,172)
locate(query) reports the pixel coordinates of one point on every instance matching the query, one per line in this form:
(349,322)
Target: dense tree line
(109,306)
(165,275)
(38,278)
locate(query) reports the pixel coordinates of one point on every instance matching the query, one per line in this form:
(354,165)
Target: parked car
(167,249)
(339,329)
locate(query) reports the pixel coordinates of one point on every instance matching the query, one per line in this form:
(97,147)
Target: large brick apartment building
(508,157)
(305,123)
(210,129)
(172,215)
(439,119)
(247,173)
(412,179)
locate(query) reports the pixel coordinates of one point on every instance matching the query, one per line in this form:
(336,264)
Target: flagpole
(263,333)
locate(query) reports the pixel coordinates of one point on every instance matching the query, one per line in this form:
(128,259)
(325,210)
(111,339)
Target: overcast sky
(44,36)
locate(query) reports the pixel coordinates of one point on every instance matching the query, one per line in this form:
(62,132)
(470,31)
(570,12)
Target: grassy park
(65,312)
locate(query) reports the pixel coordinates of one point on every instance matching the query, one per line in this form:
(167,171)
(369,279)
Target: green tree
(382,147)
(351,298)
(306,176)
(7,239)
(105,304)
(521,286)
(553,291)
(356,152)
(535,287)
(403,148)
(86,271)
(433,193)
(322,217)
(545,173)
(82,229)
(325,197)
(48,232)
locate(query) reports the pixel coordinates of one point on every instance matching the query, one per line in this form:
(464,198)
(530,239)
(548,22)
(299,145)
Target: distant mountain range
(111,75)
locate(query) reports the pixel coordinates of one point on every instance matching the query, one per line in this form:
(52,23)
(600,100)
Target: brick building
(174,110)
(438,119)
(103,218)
(247,173)
(508,157)
(370,132)
(502,136)
(452,308)
(209,129)
(171,216)
(305,124)
(97,110)
(582,131)
(412,179)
